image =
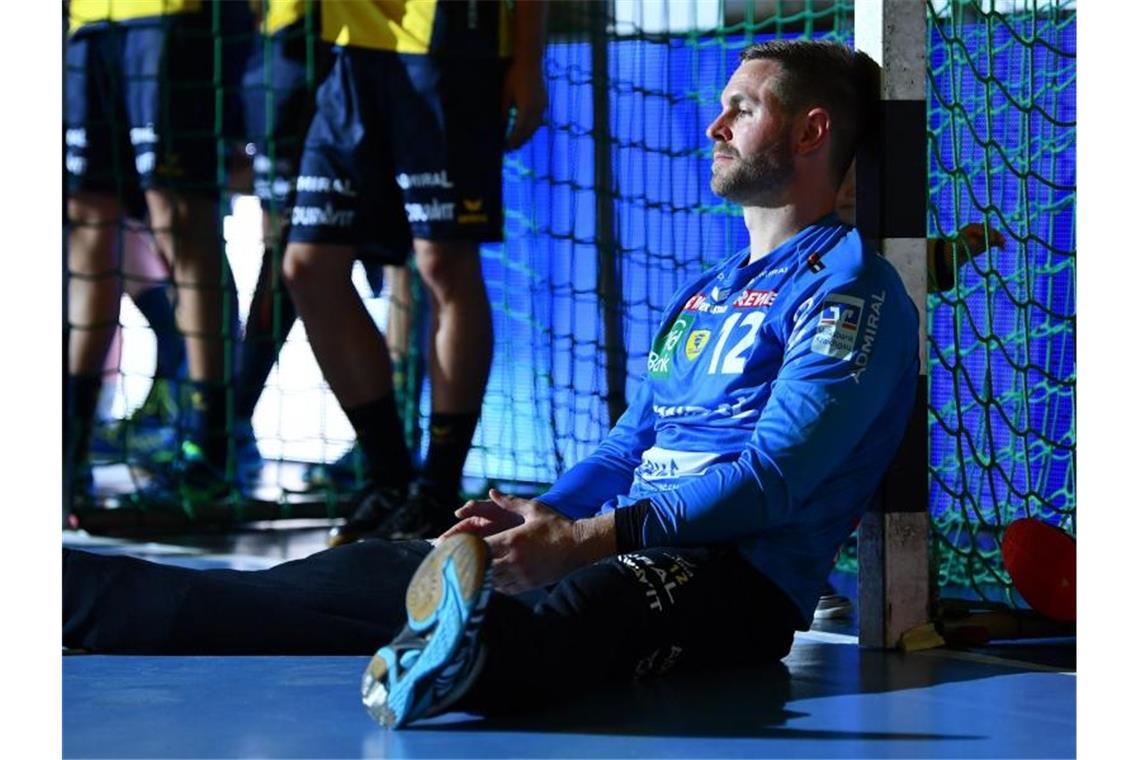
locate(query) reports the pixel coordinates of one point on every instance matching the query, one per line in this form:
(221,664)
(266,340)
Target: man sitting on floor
(699,532)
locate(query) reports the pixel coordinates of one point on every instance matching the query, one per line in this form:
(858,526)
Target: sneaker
(344,474)
(373,506)
(143,441)
(191,482)
(832,605)
(160,404)
(422,515)
(149,436)
(435,659)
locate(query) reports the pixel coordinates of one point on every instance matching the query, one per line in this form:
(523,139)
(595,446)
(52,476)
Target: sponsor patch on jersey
(874,314)
(472,212)
(658,463)
(696,343)
(424,179)
(695,302)
(430,212)
(838,326)
(661,355)
(755,299)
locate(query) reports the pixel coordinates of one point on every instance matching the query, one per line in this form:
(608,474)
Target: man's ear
(813,130)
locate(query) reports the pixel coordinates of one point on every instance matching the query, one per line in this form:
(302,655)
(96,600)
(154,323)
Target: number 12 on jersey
(733,363)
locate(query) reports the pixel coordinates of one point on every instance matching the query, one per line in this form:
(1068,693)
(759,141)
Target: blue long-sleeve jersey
(776,394)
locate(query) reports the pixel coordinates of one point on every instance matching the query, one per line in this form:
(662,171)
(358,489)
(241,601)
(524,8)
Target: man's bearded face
(755,178)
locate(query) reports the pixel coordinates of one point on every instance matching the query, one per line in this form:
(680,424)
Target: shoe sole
(445,602)
(834,609)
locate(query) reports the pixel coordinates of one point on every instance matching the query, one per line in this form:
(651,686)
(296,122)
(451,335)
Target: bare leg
(143,266)
(462,336)
(350,350)
(352,355)
(93,289)
(459,358)
(186,231)
(400,314)
(271,317)
(407,346)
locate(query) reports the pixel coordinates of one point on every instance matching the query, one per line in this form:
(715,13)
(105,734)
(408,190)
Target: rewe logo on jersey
(754,299)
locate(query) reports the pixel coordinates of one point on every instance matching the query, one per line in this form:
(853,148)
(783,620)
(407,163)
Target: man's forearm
(595,537)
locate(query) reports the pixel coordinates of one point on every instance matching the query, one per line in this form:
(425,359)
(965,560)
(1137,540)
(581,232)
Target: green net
(1002,125)
(608,212)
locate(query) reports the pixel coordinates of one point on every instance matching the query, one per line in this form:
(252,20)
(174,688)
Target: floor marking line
(950,654)
(954,654)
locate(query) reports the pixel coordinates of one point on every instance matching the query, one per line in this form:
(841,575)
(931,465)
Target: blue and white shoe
(438,655)
(148,437)
(345,474)
(191,483)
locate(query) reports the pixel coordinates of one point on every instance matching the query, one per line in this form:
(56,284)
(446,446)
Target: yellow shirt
(459,28)
(282,13)
(81,12)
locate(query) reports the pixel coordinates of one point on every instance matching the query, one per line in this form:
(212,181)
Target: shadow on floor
(737,702)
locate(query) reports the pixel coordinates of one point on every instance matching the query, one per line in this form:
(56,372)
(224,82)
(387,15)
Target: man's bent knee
(312,265)
(88,208)
(449,268)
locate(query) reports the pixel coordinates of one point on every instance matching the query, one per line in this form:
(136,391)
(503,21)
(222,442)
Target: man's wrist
(595,537)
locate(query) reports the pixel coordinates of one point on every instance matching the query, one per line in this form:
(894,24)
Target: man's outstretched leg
(345,601)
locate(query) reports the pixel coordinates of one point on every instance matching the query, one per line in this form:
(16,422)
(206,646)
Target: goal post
(891,186)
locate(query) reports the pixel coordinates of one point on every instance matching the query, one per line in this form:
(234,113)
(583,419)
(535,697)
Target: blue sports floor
(828,699)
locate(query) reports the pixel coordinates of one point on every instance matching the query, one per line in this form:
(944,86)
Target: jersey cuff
(629,525)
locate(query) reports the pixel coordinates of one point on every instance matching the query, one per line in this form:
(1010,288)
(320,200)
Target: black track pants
(347,600)
(636,614)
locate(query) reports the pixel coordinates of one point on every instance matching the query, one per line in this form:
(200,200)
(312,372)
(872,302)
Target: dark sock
(448,443)
(208,420)
(381,437)
(82,398)
(156,307)
(263,338)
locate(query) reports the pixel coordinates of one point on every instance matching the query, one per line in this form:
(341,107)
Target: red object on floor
(1042,561)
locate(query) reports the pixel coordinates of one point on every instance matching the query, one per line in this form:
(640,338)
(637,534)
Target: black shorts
(139,102)
(401,147)
(279,95)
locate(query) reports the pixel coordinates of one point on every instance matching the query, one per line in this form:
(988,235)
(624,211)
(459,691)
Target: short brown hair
(843,81)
